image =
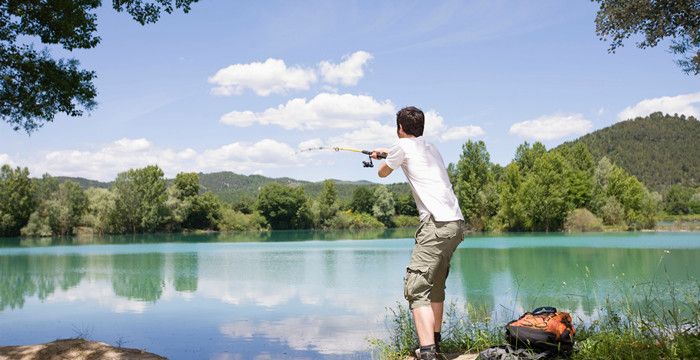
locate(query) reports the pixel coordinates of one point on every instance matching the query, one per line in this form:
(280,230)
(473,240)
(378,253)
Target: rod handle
(381,155)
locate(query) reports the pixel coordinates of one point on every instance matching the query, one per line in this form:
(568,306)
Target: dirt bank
(74,349)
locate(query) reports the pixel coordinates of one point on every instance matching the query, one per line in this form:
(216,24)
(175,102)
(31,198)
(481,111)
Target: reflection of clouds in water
(239,293)
(102,294)
(326,334)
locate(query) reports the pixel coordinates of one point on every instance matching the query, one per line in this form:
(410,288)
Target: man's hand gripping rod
(381,155)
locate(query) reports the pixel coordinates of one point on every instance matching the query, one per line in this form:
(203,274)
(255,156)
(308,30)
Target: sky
(245,86)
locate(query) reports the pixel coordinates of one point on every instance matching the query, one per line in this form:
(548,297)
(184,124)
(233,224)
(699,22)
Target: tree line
(142,201)
(540,190)
(553,190)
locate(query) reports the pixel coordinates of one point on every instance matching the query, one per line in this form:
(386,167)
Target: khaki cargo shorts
(425,277)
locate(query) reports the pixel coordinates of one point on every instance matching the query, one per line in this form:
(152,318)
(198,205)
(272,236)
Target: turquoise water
(301,294)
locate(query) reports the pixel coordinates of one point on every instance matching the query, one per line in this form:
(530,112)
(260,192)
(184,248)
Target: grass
(464,330)
(649,321)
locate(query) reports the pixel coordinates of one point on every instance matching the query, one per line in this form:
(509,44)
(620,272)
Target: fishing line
(381,155)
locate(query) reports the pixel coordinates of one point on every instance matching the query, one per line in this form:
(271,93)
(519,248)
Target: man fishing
(440,231)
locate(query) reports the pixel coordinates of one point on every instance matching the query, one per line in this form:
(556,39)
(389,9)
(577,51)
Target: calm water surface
(300,295)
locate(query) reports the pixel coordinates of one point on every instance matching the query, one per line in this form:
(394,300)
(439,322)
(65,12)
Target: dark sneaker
(416,351)
(430,354)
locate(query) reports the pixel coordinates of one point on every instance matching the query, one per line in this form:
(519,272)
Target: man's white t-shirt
(425,170)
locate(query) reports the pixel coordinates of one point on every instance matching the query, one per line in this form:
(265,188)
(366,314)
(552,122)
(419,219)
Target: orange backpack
(544,328)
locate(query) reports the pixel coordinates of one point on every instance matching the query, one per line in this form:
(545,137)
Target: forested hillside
(232,188)
(660,150)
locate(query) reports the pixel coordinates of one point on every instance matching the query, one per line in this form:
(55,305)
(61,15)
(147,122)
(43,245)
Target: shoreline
(76,349)
(695,227)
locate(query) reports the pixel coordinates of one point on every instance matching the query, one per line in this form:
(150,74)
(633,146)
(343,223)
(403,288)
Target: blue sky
(242,86)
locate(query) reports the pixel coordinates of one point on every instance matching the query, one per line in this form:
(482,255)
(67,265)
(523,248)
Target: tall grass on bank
(653,321)
(464,330)
(649,321)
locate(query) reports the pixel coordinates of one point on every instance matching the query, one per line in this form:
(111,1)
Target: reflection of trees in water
(138,276)
(568,278)
(22,276)
(303,235)
(186,271)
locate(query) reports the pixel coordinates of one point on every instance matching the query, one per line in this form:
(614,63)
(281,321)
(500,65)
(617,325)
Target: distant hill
(83,182)
(232,187)
(660,150)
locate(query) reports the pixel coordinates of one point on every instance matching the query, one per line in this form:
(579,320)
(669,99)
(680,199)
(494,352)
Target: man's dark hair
(411,120)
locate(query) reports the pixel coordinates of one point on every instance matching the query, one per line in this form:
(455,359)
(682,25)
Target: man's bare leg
(437,315)
(425,323)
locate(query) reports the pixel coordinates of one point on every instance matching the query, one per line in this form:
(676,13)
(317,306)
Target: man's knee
(417,286)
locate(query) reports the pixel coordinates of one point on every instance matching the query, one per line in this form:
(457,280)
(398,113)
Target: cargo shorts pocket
(447,230)
(417,282)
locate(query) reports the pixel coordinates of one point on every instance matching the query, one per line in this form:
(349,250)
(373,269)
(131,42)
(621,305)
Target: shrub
(612,212)
(582,220)
(405,221)
(353,221)
(233,220)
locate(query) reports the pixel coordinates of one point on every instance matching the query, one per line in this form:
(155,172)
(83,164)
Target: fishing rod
(381,155)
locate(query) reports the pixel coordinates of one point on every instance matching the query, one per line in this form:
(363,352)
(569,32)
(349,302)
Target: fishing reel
(369,164)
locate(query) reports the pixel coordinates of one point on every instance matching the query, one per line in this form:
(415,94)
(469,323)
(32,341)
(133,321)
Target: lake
(301,294)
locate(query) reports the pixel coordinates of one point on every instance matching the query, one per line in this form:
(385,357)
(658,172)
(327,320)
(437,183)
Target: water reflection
(238,236)
(317,299)
(138,276)
(23,276)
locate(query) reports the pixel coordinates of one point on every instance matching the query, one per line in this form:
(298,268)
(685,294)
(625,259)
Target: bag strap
(544,310)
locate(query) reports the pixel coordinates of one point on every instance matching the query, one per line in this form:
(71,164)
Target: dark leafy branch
(34,86)
(654,20)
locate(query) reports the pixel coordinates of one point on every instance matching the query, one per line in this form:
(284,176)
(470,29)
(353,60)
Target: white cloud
(462,133)
(688,104)
(5,159)
(552,127)
(436,130)
(323,111)
(274,76)
(104,163)
(372,135)
(376,134)
(270,77)
(348,72)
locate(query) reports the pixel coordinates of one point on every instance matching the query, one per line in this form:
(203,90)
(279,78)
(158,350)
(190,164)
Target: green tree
(45,187)
(406,205)
(327,201)
(362,200)
(34,87)
(100,213)
(17,200)
(580,178)
(678,200)
(187,184)
(543,194)
(695,203)
(612,212)
(473,184)
(613,182)
(284,207)
(383,208)
(205,212)
(140,196)
(654,20)
(526,155)
(510,213)
(66,207)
